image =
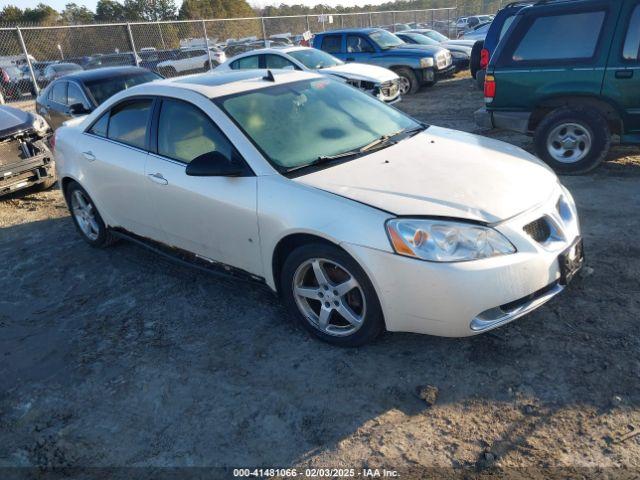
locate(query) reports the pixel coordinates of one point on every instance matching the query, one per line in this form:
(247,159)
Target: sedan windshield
(104,88)
(297,124)
(315,59)
(384,39)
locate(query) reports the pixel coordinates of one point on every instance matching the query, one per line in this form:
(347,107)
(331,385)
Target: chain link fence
(31,57)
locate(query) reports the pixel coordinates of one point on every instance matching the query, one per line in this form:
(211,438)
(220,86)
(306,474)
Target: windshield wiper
(381,142)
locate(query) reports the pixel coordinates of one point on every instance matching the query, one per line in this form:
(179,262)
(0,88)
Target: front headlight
(446,241)
(426,62)
(40,124)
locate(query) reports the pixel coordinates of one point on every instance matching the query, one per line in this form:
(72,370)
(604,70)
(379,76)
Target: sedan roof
(214,84)
(102,73)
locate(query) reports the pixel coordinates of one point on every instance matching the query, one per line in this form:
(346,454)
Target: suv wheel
(408,82)
(474,62)
(573,140)
(329,293)
(86,218)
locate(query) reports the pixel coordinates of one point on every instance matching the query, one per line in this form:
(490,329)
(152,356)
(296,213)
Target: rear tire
(409,84)
(338,305)
(573,140)
(86,217)
(474,63)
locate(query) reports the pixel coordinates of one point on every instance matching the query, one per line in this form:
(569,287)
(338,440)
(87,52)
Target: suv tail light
(489,88)
(484,58)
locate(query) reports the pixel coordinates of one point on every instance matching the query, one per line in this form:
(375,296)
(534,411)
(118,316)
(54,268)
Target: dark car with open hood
(25,157)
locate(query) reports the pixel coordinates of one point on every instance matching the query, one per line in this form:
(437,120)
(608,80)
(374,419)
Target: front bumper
(18,173)
(514,121)
(468,298)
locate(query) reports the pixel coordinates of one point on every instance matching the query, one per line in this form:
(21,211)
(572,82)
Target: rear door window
(59,93)
(332,43)
(558,37)
(250,62)
(631,50)
(128,122)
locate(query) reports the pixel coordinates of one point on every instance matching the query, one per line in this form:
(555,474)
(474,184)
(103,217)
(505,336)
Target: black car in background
(80,93)
(25,158)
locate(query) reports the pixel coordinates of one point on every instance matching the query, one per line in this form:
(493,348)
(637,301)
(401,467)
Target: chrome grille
(443,60)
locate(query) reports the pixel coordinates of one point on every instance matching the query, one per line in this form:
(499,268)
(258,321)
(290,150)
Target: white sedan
(378,81)
(359,216)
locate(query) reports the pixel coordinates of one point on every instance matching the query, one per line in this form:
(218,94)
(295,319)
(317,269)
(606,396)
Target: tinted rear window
(632,43)
(104,88)
(569,36)
(128,123)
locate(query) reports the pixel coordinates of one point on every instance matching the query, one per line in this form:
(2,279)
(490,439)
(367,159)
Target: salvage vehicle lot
(117,357)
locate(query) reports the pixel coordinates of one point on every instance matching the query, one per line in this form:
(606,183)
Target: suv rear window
(579,33)
(632,43)
(332,43)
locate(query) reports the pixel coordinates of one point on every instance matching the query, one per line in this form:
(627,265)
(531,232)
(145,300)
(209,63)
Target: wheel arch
(606,108)
(290,242)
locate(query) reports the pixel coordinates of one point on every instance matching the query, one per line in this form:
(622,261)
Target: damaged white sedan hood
(445,173)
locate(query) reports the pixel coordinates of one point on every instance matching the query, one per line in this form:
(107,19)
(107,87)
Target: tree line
(110,11)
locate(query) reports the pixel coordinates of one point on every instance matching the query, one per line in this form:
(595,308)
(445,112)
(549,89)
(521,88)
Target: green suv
(568,72)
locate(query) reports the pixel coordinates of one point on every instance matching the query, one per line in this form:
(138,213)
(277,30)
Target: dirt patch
(119,358)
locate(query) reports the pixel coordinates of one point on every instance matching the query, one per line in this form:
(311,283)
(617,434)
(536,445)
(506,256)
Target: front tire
(573,140)
(408,82)
(86,217)
(331,296)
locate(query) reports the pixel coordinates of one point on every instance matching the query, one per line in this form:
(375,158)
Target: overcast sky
(59,4)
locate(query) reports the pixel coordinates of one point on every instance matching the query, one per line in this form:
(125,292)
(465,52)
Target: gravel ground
(117,357)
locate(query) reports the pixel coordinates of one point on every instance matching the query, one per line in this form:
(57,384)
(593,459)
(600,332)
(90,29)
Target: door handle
(158,178)
(89,155)
(624,74)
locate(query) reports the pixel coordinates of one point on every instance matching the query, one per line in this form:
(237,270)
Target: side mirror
(214,164)
(78,109)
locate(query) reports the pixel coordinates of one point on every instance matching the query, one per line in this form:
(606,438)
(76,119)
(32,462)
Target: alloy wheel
(404,84)
(569,142)
(84,213)
(329,297)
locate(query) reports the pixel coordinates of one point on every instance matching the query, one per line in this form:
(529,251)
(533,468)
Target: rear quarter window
(332,43)
(559,37)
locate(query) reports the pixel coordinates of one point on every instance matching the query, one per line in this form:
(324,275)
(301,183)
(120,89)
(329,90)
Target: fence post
(341,20)
(264,30)
(36,88)
(393,17)
(133,46)
(449,25)
(306,17)
(206,43)
(433,23)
